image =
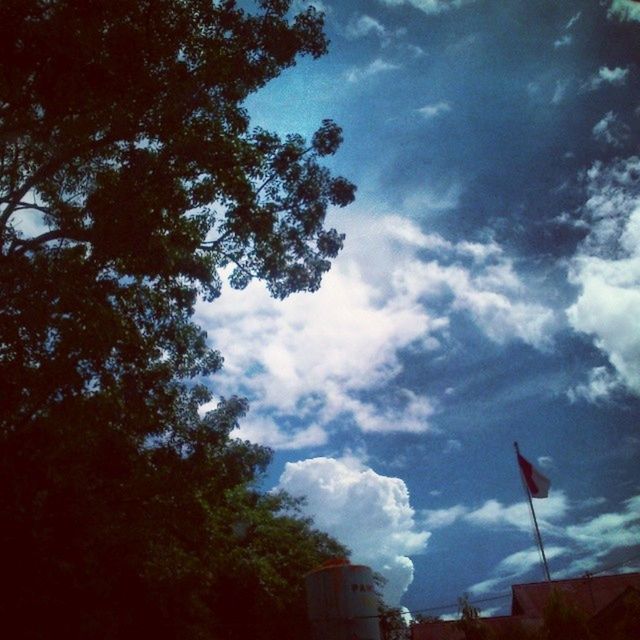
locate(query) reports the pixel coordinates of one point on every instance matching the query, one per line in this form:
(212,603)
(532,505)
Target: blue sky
(489,291)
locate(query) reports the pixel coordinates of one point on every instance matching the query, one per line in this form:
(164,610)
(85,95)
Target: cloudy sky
(489,291)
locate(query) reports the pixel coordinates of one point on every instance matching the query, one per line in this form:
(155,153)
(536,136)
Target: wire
(502,596)
(619,564)
(505,595)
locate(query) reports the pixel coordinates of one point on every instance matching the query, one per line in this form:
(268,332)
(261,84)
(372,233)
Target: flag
(537,483)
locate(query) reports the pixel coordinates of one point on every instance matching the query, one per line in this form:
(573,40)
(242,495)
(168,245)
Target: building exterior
(608,603)
(342,602)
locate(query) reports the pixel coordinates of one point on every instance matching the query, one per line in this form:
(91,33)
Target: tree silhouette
(130,183)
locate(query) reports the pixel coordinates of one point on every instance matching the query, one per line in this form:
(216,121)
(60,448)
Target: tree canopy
(130,183)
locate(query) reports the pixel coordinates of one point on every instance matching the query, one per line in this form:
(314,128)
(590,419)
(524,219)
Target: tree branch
(26,206)
(44,171)
(20,246)
(275,173)
(212,244)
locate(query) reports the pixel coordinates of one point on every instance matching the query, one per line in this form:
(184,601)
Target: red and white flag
(537,483)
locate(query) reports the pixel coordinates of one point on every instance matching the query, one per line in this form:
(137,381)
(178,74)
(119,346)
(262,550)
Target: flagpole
(535,520)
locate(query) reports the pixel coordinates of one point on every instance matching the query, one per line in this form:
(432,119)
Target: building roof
(449,630)
(589,593)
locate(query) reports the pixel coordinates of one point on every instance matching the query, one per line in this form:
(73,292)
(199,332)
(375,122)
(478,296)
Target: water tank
(342,603)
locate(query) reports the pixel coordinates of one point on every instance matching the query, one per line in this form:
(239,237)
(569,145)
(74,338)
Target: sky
(488,292)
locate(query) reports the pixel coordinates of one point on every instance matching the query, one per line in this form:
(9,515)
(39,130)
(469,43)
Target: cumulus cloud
(333,359)
(611,130)
(368,512)
(312,359)
(616,77)
(358,74)
(309,358)
(429,6)
(433,110)
(494,297)
(607,271)
(601,385)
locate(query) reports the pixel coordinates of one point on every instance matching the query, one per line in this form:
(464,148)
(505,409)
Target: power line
(456,604)
(619,564)
(505,595)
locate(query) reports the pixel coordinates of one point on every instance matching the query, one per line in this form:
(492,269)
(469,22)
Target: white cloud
(429,6)
(545,461)
(411,416)
(363,26)
(586,544)
(433,110)
(572,21)
(439,199)
(601,385)
(495,514)
(414,50)
(438,518)
(452,446)
(611,130)
(30,222)
(560,91)
(616,76)
(301,5)
(624,10)
(607,271)
(522,561)
(479,251)
(368,512)
(583,545)
(511,568)
(264,429)
(563,41)
(311,355)
(609,530)
(490,297)
(357,74)
(546,89)
(312,359)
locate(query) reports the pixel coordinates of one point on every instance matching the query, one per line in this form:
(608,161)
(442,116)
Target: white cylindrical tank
(342,603)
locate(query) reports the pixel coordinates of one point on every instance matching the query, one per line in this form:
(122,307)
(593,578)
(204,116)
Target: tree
(392,623)
(130,180)
(470,623)
(391,620)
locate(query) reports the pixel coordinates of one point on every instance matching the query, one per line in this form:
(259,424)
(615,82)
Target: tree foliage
(470,622)
(130,182)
